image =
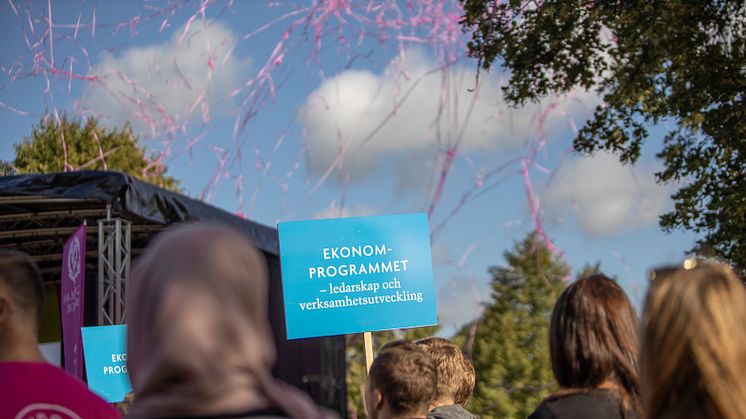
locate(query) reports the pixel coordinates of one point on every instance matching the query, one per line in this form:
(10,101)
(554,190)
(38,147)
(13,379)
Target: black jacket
(598,404)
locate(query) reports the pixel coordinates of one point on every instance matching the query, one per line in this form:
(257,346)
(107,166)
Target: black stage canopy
(38,212)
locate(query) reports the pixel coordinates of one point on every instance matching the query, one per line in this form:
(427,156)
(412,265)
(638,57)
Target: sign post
(353,275)
(71,288)
(106,361)
(368,348)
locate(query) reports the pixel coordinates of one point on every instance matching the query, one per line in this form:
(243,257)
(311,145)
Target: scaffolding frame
(114,257)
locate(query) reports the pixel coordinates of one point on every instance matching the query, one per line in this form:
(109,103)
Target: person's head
(693,344)
(21,298)
(455,372)
(199,341)
(593,340)
(401,382)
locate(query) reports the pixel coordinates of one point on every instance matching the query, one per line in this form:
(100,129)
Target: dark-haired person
(29,387)
(401,383)
(693,344)
(455,379)
(593,347)
(199,343)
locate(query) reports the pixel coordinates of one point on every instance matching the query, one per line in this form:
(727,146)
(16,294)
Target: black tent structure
(38,212)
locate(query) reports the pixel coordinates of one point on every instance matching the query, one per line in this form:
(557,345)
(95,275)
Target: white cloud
(355,210)
(605,196)
(409,111)
(440,253)
(164,86)
(461,300)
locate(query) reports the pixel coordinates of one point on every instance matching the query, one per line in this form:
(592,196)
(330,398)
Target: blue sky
(291,110)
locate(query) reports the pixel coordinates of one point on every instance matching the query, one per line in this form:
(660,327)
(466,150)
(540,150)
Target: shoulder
(251,415)
(591,404)
(43,386)
(254,414)
(542,412)
(255,417)
(453,411)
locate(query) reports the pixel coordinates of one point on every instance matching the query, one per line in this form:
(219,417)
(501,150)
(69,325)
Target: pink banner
(71,288)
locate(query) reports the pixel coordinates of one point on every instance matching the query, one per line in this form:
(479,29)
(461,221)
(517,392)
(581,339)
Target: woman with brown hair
(199,341)
(593,348)
(693,349)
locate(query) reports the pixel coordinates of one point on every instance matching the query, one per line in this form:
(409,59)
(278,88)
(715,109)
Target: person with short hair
(593,349)
(456,378)
(693,344)
(401,383)
(30,387)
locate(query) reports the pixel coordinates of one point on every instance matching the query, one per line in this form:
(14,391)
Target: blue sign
(105,351)
(353,275)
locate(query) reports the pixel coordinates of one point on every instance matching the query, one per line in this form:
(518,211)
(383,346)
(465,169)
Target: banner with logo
(71,307)
(106,361)
(352,275)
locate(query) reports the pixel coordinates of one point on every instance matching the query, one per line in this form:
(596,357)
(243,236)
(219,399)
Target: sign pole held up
(368,347)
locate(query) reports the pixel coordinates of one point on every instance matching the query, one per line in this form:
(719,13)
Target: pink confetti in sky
(330,24)
(176,112)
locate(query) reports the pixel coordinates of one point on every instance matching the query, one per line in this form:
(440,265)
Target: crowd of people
(200,346)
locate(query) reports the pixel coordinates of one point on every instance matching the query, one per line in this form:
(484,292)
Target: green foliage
(356,375)
(593,269)
(680,62)
(85,144)
(464,338)
(588,270)
(6,169)
(511,353)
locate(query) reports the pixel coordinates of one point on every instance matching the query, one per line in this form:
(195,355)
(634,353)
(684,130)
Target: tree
(588,270)
(511,351)
(679,62)
(6,169)
(593,269)
(89,146)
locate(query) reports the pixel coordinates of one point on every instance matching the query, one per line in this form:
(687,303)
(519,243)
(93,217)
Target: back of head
(456,375)
(593,340)
(406,377)
(199,341)
(20,283)
(693,349)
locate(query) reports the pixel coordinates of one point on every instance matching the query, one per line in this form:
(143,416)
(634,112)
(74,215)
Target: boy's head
(20,301)
(455,371)
(20,284)
(401,382)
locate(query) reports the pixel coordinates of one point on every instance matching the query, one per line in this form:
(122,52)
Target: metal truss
(114,257)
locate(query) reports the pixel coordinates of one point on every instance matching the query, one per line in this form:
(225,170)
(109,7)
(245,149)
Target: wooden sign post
(368,348)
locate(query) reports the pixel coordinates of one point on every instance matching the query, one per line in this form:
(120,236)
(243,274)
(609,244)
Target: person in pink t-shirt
(29,387)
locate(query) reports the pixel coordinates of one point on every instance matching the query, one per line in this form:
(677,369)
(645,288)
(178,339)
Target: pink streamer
(50,35)
(534,205)
(343,24)
(13,6)
(14,110)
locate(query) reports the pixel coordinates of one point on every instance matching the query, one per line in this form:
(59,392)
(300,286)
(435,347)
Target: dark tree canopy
(89,146)
(682,62)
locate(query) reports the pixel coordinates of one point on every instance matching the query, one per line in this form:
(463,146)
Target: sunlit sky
(296,110)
